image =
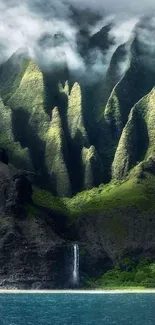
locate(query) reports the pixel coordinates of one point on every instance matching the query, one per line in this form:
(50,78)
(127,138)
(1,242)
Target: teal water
(77,309)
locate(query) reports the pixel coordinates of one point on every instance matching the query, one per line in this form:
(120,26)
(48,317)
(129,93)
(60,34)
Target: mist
(49,30)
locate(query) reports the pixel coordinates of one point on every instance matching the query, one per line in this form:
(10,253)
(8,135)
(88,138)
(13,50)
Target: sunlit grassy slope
(135,193)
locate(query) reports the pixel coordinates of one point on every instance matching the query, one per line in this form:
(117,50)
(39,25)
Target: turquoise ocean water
(77,309)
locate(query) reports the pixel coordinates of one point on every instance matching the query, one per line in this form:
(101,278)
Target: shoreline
(117,291)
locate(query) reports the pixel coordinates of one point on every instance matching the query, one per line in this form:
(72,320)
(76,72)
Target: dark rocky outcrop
(3,156)
(32,254)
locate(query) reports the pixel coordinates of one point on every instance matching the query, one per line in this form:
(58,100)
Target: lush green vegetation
(54,156)
(11,75)
(47,200)
(137,140)
(134,193)
(19,156)
(128,274)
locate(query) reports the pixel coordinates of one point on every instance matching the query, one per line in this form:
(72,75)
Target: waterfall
(75,264)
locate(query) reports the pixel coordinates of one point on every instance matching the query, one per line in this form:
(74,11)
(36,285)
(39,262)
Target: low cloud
(48,30)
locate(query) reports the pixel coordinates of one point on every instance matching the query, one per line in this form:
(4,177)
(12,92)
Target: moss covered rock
(91,167)
(30,97)
(17,155)
(137,142)
(75,116)
(11,74)
(55,156)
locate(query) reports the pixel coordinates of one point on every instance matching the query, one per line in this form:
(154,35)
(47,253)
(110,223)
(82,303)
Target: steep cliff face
(52,137)
(55,153)
(137,81)
(76,133)
(32,252)
(137,140)
(92,167)
(19,156)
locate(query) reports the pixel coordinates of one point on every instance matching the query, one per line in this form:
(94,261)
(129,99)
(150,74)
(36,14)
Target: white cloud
(23,24)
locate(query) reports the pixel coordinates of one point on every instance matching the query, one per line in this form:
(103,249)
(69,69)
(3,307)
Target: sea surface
(77,309)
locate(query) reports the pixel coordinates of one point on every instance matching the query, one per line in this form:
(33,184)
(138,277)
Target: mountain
(88,148)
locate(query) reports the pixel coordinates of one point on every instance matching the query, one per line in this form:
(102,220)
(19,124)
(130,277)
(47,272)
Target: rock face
(3,156)
(92,167)
(55,151)
(137,140)
(32,254)
(107,238)
(18,156)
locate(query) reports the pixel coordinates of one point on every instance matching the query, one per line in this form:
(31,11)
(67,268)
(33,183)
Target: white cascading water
(76,264)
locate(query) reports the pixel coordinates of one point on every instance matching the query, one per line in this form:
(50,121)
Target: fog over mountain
(50,30)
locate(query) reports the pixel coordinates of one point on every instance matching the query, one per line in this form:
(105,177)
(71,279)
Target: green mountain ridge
(77,147)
